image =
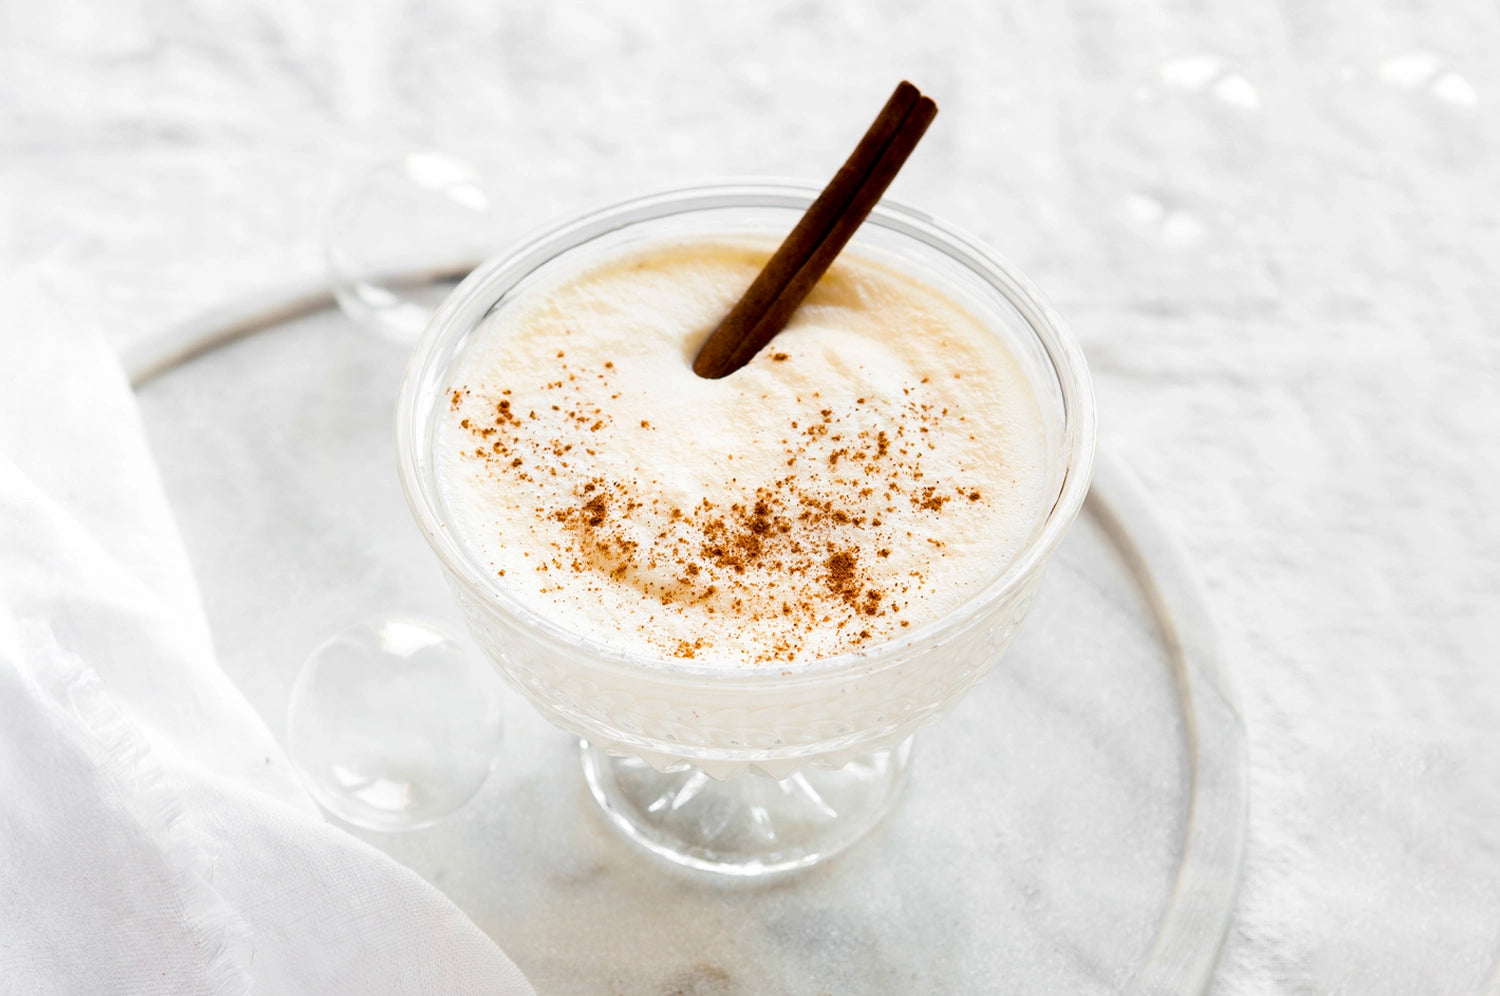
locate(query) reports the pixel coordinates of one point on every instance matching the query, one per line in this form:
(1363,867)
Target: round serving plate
(1075,825)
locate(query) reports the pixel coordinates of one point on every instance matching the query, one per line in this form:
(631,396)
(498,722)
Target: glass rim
(477,292)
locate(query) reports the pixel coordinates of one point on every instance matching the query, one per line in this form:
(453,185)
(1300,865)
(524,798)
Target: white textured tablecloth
(1274,228)
(152,837)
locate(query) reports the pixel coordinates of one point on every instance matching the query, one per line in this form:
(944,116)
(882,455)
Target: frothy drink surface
(866,473)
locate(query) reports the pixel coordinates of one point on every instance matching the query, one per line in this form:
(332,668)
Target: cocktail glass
(757,770)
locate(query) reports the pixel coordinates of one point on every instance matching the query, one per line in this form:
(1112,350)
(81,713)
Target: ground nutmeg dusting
(785,557)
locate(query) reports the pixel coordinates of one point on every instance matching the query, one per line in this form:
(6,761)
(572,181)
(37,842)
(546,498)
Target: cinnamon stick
(811,247)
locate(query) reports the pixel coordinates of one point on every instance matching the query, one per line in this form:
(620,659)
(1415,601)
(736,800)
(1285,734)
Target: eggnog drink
(868,472)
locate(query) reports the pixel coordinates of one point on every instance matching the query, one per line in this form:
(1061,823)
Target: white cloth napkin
(152,836)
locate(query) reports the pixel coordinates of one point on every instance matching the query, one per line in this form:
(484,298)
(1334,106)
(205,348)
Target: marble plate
(1075,825)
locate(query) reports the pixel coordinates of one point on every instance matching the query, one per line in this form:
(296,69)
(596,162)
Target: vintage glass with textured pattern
(750,771)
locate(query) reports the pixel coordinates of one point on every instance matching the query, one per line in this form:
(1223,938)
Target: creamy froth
(865,474)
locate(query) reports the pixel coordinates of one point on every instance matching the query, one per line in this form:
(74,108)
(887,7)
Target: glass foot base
(393,725)
(750,824)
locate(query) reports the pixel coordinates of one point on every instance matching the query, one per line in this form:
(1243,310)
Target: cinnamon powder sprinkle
(787,555)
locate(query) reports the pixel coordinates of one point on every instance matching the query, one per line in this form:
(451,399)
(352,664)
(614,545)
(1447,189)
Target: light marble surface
(1035,849)
(1274,228)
